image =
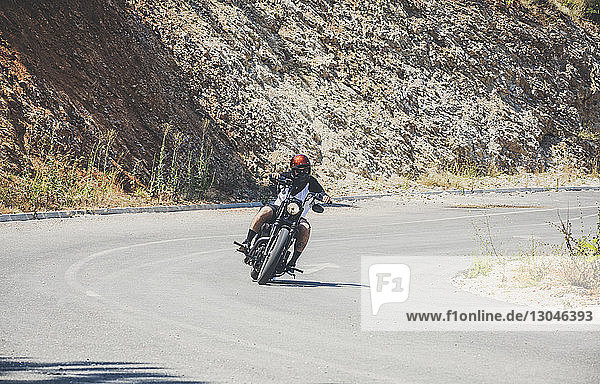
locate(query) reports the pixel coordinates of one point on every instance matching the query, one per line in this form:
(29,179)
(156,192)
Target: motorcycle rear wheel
(270,263)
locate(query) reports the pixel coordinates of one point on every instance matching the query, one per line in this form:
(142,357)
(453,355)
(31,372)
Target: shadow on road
(23,370)
(311,284)
(339,205)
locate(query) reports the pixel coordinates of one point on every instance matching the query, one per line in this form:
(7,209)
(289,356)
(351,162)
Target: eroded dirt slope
(72,71)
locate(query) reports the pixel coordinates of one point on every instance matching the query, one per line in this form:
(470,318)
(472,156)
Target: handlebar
(319,196)
(279,179)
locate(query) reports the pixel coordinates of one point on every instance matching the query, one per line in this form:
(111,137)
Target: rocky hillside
(375,88)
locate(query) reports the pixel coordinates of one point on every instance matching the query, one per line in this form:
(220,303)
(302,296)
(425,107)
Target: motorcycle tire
(270,263)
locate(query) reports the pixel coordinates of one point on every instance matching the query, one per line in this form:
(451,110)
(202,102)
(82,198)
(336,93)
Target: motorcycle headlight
(293,208)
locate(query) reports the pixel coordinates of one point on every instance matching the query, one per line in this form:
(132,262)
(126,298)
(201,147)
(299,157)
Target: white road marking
(73,270)
(535,210)
(91,293)
(547,223)
(384,234)
(166,261)
(71,278)
(312,268)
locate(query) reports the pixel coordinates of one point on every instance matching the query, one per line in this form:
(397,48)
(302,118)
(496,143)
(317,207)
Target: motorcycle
(269,254)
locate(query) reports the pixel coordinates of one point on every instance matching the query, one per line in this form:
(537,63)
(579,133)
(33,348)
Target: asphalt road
(164,298)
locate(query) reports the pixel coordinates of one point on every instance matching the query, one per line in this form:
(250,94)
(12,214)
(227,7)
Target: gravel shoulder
(506,283)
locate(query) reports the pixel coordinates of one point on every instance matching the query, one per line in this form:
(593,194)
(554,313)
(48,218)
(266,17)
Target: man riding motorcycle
(302,184)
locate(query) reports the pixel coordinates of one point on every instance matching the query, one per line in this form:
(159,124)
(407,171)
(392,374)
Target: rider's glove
(274,177)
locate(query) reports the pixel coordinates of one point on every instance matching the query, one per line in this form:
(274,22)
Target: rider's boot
(245,247)
(291,265)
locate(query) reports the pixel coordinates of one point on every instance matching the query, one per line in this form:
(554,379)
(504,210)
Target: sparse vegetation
(596,168)
(581,266)
(186,174)
(486,256)
(53,180)
(468,177)
(56,182)
(449,179)
(462,174)
(534,263)
(575,262)
(443,179)
(589,135)
(480,266)
(588,9)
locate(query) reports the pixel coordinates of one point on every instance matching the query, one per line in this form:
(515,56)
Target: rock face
(374,88)
(390,86)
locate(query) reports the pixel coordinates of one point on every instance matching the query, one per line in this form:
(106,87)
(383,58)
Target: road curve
(164,298)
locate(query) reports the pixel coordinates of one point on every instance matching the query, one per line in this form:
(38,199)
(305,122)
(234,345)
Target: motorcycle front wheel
(270,264)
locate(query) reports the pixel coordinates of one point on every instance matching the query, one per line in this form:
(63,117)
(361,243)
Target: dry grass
(55,181)
(580,272)
(534,263)
(563,174)
(481,265)
(445,180)
(460,175)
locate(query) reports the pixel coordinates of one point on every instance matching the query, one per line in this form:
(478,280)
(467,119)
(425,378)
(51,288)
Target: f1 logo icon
(389,284)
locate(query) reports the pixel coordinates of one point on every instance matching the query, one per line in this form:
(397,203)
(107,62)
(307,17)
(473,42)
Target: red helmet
(300,161)
(300,165)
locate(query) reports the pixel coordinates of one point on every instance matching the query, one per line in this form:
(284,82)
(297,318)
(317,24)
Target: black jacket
(298,185)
